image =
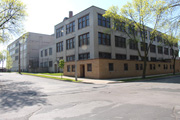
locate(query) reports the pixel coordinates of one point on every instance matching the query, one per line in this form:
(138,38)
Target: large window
(45,52)
(133,45)
(73,68)
(59,46)
(160,50)
(121,56)
(84,39)
(153,48)
(50,51)
(68,68)
(70,58)
(69,43)
(125,67)
(143,34)
(59,32)
(70,27)
(102,21)
(111,67)
(153,59)
(104,55)
(159,38)
(42,53)
(104,39)
(171,51)
(84,56)
(50,63)
(120,26)
(120,42)
(143,47)
(134,57)
(83,22)
(16,57)
(89,67)
(166,51)
(17,50)
(131,30)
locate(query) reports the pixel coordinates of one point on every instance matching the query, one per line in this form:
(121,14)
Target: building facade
(29,45)
(87,37)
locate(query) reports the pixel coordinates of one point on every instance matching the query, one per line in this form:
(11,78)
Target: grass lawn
(52,74)
(52,77)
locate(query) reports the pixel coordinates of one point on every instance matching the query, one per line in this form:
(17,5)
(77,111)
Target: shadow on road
(16,95)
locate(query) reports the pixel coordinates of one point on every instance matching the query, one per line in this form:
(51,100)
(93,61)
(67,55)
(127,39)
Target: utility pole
(19,58)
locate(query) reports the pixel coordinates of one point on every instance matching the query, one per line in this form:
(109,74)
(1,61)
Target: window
(154,66)
(69,43)
(133,57)
(171,51)
(102,21)
(84,39)
(45,52)
(104,55)
(166,51)
(42,53)
(17,44)
(41,64)
(17,50)
(89,67)
(111,67)
(153,48)
(160,50)
(59,46)
(16,57)
(150,66)
(131,30)
(68,68)
(143,34)
(165,66)
(73,68)
(126,67)
(70,58)
(59,32)
(84,56)
(120,42)
(143,47)
(137,67)
(104,39)
(121,56)
(120,26)
(50,51)
(141,66)
(153,59)
(83,22)
(133,45)
(142,58)
(70,27)
(45,64)
(159,38)
(50,63)
(152,38)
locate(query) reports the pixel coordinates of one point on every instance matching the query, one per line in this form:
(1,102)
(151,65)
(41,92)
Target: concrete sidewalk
(104,81)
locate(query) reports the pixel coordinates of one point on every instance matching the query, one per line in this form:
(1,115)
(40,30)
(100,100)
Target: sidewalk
(104,81)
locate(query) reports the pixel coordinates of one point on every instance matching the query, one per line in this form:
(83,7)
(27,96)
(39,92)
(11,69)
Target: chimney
(70,14)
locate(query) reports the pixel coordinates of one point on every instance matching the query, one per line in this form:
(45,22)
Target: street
(24,97)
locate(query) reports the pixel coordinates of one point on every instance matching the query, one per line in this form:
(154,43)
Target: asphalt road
(25,97)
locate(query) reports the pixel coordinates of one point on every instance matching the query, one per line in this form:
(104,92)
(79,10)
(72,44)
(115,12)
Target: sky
(43,15)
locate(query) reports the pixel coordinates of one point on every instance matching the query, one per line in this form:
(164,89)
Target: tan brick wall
(100,68)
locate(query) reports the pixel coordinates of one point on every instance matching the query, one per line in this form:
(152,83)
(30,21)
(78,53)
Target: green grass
(51,77)
(52,74)
(152,77)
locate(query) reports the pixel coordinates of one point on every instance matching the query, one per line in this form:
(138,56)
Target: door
(82,71)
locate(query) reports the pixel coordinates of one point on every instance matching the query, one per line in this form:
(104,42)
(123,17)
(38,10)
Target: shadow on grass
(16,95)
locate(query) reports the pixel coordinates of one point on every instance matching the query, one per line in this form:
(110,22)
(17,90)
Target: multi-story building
(102,52)
(29,45)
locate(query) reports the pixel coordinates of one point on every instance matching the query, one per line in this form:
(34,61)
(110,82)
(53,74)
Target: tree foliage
(12,15)
(61,65)
(137,16)
(8,61)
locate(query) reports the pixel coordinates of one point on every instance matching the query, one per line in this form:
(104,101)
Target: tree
(61,65)
(8,61)
(133,18)
(2,58)
(12,14)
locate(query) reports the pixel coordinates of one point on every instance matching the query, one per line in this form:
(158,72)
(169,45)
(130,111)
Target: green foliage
(61,63)
(8,61)
(12,15)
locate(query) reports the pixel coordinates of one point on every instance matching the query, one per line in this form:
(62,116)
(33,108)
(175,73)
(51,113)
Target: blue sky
(43,15)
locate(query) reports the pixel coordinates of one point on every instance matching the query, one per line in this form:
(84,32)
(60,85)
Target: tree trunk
(144,69)
(174,66)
